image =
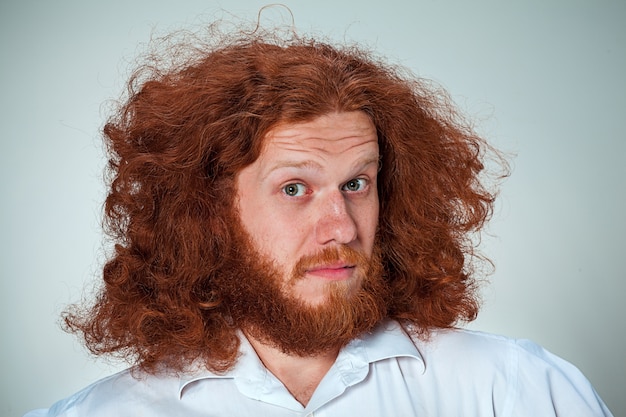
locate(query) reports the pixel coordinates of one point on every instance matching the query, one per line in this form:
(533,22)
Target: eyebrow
(295,164)
(371,160)
(308,164)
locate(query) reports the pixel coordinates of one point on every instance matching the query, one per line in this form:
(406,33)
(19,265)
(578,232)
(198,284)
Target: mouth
(332,272)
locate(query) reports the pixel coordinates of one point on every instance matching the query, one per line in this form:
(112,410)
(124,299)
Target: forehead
(343,133)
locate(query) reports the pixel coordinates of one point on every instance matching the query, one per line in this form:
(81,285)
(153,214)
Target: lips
(333,263)
(333,272)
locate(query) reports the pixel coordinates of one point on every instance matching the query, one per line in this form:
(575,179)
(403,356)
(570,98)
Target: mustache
(328,256)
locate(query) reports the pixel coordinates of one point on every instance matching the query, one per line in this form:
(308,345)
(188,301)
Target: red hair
(177,144)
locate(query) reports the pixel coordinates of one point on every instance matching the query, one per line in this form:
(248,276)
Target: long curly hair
(185,131)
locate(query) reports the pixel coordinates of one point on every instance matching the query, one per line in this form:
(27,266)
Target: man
(293,225)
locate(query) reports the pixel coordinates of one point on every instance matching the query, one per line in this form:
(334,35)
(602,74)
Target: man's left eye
(356,184)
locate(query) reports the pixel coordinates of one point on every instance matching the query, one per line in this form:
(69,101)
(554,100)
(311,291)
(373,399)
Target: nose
(335,222)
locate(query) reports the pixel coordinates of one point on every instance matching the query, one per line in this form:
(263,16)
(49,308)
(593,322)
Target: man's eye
(356,184)
(294,190)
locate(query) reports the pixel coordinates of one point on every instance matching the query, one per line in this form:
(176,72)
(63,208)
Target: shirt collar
(248,366)
(388,340)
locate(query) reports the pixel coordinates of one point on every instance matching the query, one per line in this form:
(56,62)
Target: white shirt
(385,373)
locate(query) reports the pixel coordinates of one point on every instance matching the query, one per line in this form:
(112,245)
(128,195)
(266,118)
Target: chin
(336,290)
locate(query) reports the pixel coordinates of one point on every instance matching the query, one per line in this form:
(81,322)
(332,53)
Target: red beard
(259,300)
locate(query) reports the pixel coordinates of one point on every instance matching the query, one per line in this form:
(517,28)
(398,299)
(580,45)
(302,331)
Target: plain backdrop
(544,80)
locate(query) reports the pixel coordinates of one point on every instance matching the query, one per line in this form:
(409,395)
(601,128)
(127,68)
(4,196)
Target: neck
(299,374)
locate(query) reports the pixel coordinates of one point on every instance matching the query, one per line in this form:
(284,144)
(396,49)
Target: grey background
(543,79)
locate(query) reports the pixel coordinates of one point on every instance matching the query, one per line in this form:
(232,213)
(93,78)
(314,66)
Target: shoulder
(519,375)
(518,358)
(485,349)
(127,393)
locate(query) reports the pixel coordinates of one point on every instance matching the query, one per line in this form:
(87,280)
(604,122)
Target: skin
(313,187)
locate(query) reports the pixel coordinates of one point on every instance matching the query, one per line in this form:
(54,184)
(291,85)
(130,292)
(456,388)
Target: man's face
(310,198)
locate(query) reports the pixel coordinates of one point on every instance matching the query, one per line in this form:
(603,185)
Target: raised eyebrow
(368,161)
(308,164)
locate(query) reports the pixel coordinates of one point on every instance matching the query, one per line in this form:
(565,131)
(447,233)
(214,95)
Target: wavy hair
(185,131)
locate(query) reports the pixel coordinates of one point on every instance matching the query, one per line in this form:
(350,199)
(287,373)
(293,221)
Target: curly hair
(184,133)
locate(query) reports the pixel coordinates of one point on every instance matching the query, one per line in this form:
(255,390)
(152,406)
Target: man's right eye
(294,190)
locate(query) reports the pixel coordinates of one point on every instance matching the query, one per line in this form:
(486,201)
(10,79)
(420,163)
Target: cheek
(370,225)
(278,236)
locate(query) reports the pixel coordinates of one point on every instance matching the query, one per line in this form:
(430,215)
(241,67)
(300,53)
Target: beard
(260,300)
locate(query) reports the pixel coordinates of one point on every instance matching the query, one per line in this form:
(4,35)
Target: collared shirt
(388,372)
